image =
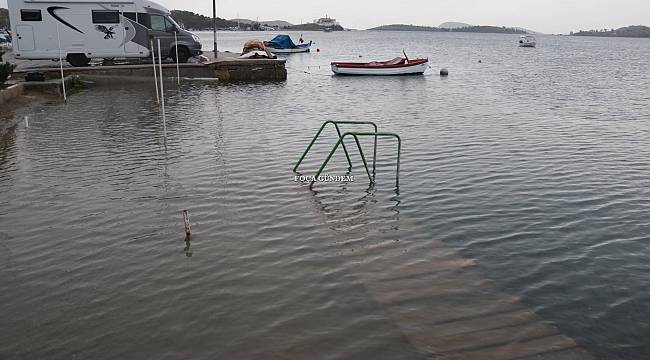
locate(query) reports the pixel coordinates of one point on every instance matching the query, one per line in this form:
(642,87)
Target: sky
(547,16)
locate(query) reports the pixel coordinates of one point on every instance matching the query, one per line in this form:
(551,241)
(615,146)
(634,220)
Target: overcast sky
(548,16)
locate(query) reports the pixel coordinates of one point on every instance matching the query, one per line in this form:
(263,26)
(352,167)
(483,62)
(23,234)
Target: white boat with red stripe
(396,66)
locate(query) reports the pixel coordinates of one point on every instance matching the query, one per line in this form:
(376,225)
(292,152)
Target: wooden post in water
(186,221)
(155,77)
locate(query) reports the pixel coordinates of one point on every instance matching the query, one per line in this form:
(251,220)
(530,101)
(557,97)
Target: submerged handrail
(347,155)
(356,138)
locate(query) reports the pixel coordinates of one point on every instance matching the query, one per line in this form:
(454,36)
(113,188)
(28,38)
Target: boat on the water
(282,44)
(527,41)
(397,66)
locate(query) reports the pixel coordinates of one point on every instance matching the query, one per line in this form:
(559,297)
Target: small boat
(527,41)
(397,66)
(282,44)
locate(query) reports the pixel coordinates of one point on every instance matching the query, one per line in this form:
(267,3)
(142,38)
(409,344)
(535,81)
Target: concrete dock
(226,67)
(448,310)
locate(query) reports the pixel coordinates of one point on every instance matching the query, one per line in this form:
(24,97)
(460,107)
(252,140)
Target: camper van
(80,30)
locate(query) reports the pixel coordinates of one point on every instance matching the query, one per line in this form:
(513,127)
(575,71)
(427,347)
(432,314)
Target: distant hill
(491,30)
(4,18)
(468,29)
(403,27)
(273,23)
(638,31)
(453,25)
(193,21)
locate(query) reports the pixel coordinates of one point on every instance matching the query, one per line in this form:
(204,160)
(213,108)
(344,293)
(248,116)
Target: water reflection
(355,214)
(7,147)
(188,244)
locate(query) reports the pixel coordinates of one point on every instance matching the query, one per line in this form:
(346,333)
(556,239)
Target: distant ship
(326,22)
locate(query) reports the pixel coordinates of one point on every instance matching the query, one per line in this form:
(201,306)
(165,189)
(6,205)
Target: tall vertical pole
(214,27)
(155,76)
(162,94)
(58,36)
(178,71)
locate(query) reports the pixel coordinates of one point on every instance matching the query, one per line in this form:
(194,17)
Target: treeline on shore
(193,21)
(4,19)
(469,29)
(637,31)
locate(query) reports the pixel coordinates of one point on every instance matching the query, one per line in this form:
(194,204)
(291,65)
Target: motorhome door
(129,29)
(162,29)
(25,35)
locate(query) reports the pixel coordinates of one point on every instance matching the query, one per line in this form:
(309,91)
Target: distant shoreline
(466,29)
(637,31)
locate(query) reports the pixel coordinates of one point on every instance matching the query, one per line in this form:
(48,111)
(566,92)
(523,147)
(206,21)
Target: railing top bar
(351,122)
(370,134)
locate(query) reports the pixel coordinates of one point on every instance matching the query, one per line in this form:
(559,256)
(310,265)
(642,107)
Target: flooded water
(532,164)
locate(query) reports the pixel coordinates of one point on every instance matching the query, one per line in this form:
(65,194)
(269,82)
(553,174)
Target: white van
(98,29)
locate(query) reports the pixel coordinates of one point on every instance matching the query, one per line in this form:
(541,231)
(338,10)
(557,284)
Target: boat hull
(288,51)
(416,69)
(528,45)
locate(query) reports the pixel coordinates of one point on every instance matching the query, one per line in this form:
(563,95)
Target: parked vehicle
(282,44)
(83,30)
(397,66)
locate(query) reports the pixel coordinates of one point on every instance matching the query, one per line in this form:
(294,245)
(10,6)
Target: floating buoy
(317,49)
(480,61)
(444,72)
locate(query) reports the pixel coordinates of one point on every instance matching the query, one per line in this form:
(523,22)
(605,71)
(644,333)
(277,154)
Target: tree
(4,19)
(5,69)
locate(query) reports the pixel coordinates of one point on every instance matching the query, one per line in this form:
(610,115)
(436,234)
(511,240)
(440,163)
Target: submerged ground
(530,164)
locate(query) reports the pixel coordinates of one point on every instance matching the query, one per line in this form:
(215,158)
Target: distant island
(467,29)
(637,31)
(193,21)
(453,25)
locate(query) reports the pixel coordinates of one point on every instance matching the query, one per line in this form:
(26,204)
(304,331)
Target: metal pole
(155,76)
(178,71)
(214,27)
(58,36)
(162,93)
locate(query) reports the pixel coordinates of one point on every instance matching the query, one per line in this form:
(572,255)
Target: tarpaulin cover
(281,42)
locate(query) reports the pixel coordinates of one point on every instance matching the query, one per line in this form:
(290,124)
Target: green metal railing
(376,134)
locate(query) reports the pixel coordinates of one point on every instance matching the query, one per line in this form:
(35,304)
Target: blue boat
(282,44)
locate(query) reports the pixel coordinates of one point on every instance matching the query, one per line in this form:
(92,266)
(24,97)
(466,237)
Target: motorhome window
(142,18)
(106,17)
(159,23)
(30,15)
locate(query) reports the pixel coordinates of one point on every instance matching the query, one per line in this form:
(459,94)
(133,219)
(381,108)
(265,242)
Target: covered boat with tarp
(282,44)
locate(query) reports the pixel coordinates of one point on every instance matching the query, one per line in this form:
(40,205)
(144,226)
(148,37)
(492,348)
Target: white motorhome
(83,29)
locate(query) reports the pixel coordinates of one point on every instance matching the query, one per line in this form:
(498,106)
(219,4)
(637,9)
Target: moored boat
(396,66)
(527,41)
(282,44)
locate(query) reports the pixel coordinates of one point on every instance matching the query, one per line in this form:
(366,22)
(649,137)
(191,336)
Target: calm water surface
(534,163)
